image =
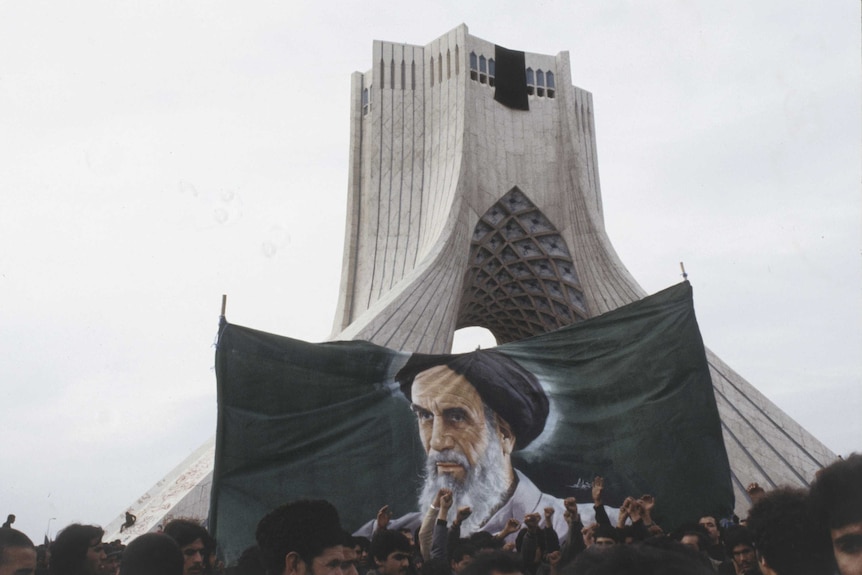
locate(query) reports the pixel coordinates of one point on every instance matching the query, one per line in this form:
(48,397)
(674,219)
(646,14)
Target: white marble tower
(464,211)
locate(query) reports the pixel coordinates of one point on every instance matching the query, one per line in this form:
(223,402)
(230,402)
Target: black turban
(508,389)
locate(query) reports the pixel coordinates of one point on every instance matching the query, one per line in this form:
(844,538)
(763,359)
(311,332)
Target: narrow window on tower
(540,83)
(432,71)
(413,75)
(492,72)
(483,70)
(403,75)
(457,60)
(474,66)
(549,78)
(364,101)
(531,82)
(448,64)
(382,74)
(439,67)
(392,74)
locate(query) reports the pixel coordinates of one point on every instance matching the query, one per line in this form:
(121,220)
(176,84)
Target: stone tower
(474,200)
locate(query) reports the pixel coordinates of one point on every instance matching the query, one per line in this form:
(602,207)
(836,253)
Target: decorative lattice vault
(521,280)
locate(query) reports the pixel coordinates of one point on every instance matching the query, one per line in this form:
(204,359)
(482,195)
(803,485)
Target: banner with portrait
(629,394)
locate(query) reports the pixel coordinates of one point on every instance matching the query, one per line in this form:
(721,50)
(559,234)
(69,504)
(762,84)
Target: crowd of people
(788,531)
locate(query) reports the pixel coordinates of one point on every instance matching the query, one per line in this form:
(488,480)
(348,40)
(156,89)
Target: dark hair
(250,562)
(362,542)
(482,541)
(152,554)
(13,538)
(785,535)
(436,566)
(69,550)
(835,494)
(693,529)
(640,559)
(187,531)
(460,550)
(607,531)
(386,541)
(737,535)
(305,527)
(495,561)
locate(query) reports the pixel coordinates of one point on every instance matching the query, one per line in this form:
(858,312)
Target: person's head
(483,541)
(694,535)
(408,533)
(152,554)
(302,537)
(391,551)
(10,519)
(78,550)
(349,558)
(43,557)
(640,559)
(711,525)
(460,556)
(786,538)
(361,546)
(836,497)
(739,545)
(495,563)
(473,411)
(436,566)
(195,544)
(605,536)
(111,564)
(17,553)
(249,562)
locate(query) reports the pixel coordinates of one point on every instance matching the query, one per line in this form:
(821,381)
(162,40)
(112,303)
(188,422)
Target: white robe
(527,498)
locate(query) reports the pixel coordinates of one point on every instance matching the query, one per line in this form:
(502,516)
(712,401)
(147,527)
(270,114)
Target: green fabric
(631,400)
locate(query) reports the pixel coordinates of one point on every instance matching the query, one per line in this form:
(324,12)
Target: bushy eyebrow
(456,412)
(851,542)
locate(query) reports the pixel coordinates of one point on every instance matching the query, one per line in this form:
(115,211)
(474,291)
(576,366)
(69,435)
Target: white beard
(483,489)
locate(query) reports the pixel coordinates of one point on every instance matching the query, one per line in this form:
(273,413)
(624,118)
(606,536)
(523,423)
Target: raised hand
(588,533)
(512,526)
(383,517)
(648,502)
(755,492)
(636,510)
(446,499)
(463,514)
(598,490)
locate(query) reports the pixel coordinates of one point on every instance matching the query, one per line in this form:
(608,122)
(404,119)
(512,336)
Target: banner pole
(221,318)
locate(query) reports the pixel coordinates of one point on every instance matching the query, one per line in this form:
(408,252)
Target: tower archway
(521,280)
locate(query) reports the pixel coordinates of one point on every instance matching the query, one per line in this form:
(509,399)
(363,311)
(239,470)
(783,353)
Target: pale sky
(155,155)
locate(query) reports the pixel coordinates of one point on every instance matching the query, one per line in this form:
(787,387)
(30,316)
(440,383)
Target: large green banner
(626,396)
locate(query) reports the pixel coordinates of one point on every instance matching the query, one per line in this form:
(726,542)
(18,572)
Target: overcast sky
(155,155)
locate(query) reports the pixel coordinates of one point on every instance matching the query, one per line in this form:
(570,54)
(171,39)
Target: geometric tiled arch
(521,280)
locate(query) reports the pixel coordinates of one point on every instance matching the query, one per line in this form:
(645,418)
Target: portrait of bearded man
(473,411)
